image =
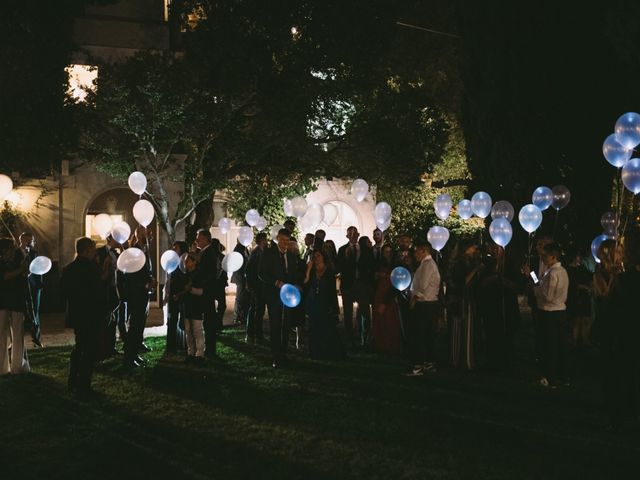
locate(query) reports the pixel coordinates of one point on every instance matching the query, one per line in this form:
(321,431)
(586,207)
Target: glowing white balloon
(288,208)
(438,237)
(501,231)
(224,224)
(40,265)
(384,224)
(330,213)
(382,211)
(316,213)
(299,206)
(131,260)
(481,204)
(627,130)
(261,224)
(502,209)
(121,231)
(530,217)
(274,231)
(464,209)
(6,185)
(102,224)
(169,261)
(245,236)
(252,217)
(232,262)
(359,189)
(307,223)
(442,205)
(143,212)
(137,183)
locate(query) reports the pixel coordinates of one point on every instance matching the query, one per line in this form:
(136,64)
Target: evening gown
(387,337)
(321,306)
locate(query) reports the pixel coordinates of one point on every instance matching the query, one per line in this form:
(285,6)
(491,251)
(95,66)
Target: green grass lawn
(356,419)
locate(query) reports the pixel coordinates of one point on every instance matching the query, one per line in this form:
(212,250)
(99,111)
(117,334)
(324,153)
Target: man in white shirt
(551,298)
(424,308)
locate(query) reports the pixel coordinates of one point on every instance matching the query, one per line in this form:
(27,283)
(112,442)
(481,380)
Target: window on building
(81,79)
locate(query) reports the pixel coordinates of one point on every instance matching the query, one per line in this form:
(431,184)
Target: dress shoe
(144,348)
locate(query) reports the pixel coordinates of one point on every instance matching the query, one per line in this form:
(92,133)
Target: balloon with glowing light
(290,295)
(609,223)
(530,217)
(131,260)
(330,213)
(274,231)
(143,212)
(501,231)
(464,209)
(595,245)
(384,224)
(137,183)
(359,189)
(224,224)
(561,197)
(627,130)
(438,237)
(102,224)
(442,205)
(382,212)
(245,236)
(121,231)
(631,175)
(288,208)
(400,278)
(542,198)
(261,224)
(614,152)
(481,204)
(40,265)
(6,185)
(252,217)
(232,262)
(169,261)
(299,206)
(502,209)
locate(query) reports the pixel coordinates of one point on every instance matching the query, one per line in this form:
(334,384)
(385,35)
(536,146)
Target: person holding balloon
(107,257)
(209,264)
(13,295)
(192,298)
(34,286)
(257,303)
(385,326)
(176,281)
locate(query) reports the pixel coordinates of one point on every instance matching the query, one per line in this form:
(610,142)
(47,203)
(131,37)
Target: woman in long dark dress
(385,330)
(321,305)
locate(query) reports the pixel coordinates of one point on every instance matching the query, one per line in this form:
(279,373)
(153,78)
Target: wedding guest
(34,286)
(296,315)
(329,249)
(176,282)
(192,296)
(257,303)
(221,283)
(209,263)
(238,277)
(385,328)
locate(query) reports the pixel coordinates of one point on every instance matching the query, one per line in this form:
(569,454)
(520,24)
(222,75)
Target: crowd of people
(467,298)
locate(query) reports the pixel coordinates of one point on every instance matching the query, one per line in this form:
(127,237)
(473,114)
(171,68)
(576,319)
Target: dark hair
(553,249)
(421,243)
(290,222)
(182,246)
(261,236)
(284,232)
(364,241)
(204,232)
(320,233)
(83,244)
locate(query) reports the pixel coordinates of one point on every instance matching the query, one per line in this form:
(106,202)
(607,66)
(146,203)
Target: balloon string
(555,223)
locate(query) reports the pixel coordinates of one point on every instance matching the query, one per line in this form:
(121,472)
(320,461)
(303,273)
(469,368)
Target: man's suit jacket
(84,293)
(208,267)
(349,262)
(272,270)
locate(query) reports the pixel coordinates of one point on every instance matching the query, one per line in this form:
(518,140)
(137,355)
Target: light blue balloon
(481,204)
(464,209)
(614,152)
(438,237)
(442,205)
(169,261)
(530,217)
(627,130)
(595,245)
(400,278)
(542,197)
(290,295)
(501,231)
(631,175)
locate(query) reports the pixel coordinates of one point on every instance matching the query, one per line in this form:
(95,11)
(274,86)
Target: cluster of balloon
(245,236)
(169,261)
(290,295)
(40,265)
(438,237)
(442,206)
(138,183)
(618,149)
(224,224)
(143,212)
(102,225)
(359,189)
(6,185)
(131,260)
(232,262)
(382,215)
(481,204)
(465,211)
(500,231)
(400,278)
(121,231)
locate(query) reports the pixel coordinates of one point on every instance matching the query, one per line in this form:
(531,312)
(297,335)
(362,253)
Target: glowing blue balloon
(438,237)
(290,295)
(627,130)
(631,175)
(614,152)
(501,231)
(442,205)
(542,197)
(481,204)
(530,217)
(400,278)
(595,245)
(502,209)
(169,261)
(609,222)
(464,209)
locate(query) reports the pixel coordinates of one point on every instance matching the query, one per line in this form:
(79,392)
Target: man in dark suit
(84,293)
(278,266)
(208,268)
(254,288)
(356,275)
(115,318)
(34,283)
(239,278)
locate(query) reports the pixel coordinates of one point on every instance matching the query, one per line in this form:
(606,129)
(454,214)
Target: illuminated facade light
(81,79)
